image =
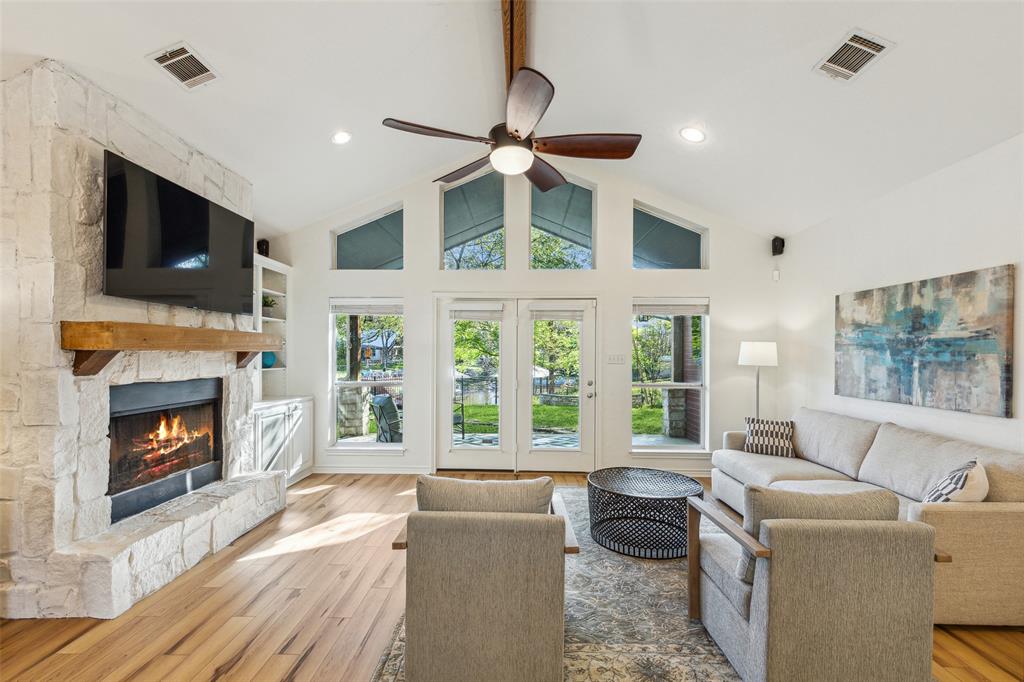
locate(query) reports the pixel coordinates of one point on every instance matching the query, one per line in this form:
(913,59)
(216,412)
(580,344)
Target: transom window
(376,245)
(660,244)
(474,224)
(669,391)
(561,228)
(369,371)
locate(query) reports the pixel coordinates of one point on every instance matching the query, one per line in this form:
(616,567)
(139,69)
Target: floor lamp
(758,354)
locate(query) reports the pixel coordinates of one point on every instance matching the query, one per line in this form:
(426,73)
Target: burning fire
(167,437)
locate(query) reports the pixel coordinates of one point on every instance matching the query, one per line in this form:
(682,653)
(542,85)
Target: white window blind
(367,306)
(476,310)
(669,306)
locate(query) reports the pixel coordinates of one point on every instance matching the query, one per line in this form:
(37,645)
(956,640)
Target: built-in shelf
(97,343)
(272,279)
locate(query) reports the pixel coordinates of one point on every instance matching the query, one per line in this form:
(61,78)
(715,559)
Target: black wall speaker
(778,246)
(263,248)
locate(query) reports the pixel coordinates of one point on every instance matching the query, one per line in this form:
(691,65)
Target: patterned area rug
(625,618)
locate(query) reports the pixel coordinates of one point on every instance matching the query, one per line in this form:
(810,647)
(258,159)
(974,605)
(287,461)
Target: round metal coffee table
(640,512)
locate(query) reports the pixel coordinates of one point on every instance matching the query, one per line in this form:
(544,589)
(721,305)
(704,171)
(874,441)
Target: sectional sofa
(984,584)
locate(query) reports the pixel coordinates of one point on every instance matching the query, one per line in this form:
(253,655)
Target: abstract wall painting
(945,342)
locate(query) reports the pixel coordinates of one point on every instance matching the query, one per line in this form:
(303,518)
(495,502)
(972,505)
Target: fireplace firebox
(165,441)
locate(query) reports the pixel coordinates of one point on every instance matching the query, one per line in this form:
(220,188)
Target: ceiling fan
(513,145)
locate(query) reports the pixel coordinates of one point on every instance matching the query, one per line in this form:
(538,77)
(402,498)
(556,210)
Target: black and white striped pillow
(968,483)
(769,437)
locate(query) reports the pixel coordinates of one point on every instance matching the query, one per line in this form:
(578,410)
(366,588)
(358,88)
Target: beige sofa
(984,584)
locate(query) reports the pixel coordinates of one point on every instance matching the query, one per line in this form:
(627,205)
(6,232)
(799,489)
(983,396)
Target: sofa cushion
(718,556)
(769,437)
(436,493)
(833,440)
(913,462)
(967,483)
(833,487)
(762,503)
(746,467)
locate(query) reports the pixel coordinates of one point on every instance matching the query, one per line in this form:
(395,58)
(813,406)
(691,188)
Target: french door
(516,384)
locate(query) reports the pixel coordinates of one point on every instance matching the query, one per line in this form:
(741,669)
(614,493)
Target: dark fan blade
(465,170)
(589,145)
(432,132)
(528,98)
(544,175)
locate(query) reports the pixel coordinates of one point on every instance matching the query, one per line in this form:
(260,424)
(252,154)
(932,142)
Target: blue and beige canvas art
(945,342)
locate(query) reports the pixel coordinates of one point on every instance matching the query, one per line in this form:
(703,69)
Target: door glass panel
(476,394)
(555,401)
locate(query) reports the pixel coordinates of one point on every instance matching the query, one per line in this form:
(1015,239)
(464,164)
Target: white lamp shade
(759,354)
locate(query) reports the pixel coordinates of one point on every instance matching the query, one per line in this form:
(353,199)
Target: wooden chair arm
(572,546)
(696,507)
(729,527)
(400,541)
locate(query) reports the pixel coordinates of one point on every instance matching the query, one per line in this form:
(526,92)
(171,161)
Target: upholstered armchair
(844,597)
(485,581)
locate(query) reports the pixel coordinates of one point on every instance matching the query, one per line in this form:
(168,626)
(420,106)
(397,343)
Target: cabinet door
(301,439)
(272,432)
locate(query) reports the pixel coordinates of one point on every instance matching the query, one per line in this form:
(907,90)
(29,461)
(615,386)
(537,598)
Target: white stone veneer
(59,554)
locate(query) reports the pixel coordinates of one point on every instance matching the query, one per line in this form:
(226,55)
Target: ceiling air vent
(183,65)
(858,51)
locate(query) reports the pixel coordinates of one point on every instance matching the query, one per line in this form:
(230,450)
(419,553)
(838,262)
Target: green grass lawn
(484,419)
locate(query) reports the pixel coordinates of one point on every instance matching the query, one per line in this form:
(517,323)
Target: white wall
(967,216)
(738,283)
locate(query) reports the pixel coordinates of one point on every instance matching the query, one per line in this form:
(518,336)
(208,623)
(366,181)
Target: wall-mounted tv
(165,244)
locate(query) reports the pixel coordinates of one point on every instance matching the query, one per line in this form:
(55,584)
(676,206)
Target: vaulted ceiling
(786,147)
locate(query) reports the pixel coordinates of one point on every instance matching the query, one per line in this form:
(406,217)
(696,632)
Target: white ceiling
(787,148)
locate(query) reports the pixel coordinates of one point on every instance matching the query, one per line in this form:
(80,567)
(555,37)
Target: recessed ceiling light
(695,135)
(341,137)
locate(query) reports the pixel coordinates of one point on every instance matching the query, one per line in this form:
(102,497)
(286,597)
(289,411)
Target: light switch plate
(616,359)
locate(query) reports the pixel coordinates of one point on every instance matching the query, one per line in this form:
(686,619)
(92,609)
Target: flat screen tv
(165,244)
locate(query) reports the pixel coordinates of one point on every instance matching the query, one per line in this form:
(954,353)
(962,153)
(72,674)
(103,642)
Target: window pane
(376,245)
(556,384)
(667,349)
(659,244)
(667,417)
(561,228)
(476,394)
(474,224)
(369,370)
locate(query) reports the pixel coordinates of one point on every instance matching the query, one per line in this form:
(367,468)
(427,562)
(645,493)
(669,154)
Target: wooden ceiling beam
(513,24)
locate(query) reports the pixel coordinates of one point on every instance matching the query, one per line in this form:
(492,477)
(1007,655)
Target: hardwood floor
(314,593)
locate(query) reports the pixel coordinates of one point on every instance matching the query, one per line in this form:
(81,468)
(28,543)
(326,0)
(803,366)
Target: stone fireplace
(110,485)
(165,442)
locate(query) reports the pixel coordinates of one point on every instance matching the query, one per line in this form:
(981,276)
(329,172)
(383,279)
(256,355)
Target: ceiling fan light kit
(513,147)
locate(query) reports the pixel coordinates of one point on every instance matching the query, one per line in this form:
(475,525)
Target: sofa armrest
(733,440)
(984,584)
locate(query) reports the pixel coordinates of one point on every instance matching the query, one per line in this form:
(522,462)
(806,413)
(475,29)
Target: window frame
(335,445)
(446,186)
(682,306)
(579,182)
(365,220)
(682,223)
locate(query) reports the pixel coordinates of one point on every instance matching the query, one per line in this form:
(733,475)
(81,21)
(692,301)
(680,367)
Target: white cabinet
(284,436)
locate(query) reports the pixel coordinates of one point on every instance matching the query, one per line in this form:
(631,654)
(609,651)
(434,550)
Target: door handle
(590,395)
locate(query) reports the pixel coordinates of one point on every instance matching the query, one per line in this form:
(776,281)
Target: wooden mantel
(97,343)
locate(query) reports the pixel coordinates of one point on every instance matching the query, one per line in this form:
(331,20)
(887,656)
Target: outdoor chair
(389,423)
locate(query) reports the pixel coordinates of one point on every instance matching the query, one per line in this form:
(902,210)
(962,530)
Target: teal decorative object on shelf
(269,358)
